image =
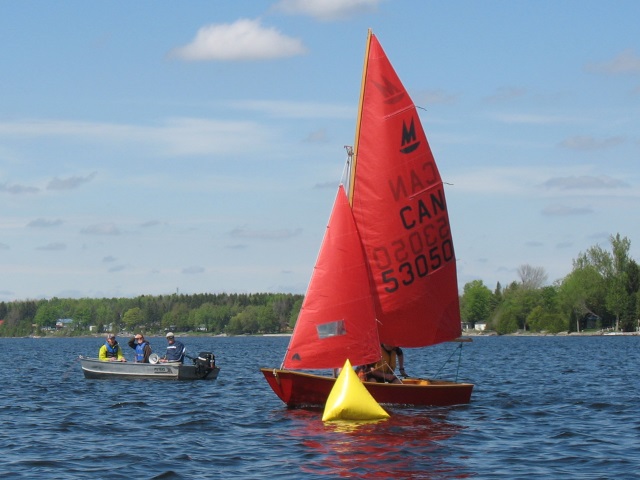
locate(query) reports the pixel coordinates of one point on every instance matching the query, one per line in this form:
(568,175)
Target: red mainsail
(400,210)
(337,319)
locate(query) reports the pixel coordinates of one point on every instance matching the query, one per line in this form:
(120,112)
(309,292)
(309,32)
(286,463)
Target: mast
(354,155)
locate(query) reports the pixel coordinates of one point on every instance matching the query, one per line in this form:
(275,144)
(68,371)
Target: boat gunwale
(141,364)
(433,382)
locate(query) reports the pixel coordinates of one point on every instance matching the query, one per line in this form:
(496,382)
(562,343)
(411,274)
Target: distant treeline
(230,313)
(601,292)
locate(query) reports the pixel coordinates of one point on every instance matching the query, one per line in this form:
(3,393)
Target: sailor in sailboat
(383,371)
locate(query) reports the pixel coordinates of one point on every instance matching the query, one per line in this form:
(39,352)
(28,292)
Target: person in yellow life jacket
(384,369)
(111,351)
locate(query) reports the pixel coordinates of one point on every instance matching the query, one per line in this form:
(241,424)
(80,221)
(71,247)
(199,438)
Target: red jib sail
(400,210)
(337,319)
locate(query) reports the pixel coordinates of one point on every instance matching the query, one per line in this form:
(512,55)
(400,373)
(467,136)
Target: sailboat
(386,270)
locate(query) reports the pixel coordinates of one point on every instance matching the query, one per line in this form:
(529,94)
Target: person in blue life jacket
(175,350)
(142,348)
(111,351)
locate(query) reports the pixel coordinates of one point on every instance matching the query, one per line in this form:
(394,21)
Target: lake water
(543,407)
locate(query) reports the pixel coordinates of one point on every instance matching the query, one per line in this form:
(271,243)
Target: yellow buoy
(350,400)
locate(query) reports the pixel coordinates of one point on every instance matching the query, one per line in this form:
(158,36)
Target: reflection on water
(407,445)
(349,426)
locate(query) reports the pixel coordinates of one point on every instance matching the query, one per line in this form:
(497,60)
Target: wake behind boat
(386,271)
(203,368)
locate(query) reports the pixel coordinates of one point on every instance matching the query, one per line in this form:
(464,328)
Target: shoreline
(543,334)
(469,334)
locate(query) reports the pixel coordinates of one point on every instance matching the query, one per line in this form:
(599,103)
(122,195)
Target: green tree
(505,321)
(47,315)
(475,303)
(542,320)
(202,317)
(513,312)
(246,321)
(617,298)
(83,314)
(295,311)
(281,305)
(617,281)
(268,321)
(581,293)
(177,318)
(133,319)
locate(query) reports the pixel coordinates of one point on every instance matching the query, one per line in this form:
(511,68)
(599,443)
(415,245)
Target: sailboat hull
(298,389)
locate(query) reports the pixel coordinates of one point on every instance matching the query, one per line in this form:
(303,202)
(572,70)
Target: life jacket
(140,351)
(387,363)
(112,351)
(175,352)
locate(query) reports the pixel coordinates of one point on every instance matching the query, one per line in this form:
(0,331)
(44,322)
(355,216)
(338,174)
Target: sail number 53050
(412,257)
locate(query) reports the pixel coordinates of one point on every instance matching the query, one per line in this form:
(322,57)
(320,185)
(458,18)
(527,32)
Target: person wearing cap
(175,350)
(111,351)
(142,348)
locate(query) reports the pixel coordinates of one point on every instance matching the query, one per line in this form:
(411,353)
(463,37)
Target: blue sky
(154,147)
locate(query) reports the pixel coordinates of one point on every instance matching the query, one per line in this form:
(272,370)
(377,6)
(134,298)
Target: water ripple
(543,407)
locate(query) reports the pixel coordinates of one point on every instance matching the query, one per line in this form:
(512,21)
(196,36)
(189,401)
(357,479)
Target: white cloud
(190,136)
(506,94)
(530,118)
(244,232)
(53,246)
(550,182)
(564,210)
(625,62)
(69,183)
(317,136)
(424,98)
(176,136)
(150,223)
(327,9)
(242,40)
(17,189)
(43,222)
(286,109)
(517,181)
(586,142)
(101,229)
(192,270)
(585,182)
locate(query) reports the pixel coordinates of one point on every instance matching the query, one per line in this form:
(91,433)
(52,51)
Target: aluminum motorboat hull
(97,369)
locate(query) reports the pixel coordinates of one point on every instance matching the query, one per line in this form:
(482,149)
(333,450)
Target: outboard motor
(204,362)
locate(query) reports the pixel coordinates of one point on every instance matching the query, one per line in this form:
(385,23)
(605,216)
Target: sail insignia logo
(409,140)
(391,93)
(296,356)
